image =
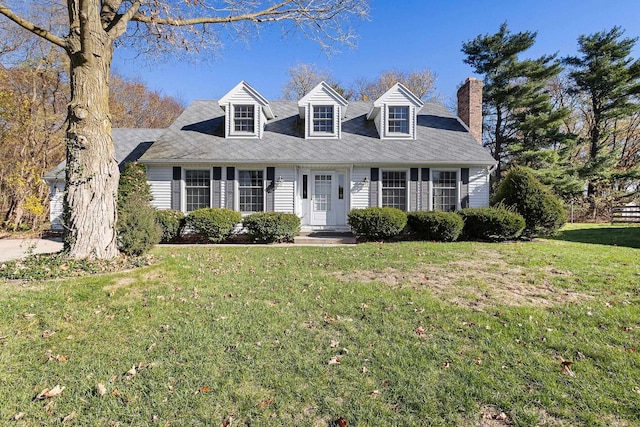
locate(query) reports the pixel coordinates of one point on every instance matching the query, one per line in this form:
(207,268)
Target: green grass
(426,334)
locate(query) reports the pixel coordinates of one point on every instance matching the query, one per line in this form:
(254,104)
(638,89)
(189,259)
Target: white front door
(323,198)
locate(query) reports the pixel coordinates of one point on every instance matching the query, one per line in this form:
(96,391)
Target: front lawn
(401,334)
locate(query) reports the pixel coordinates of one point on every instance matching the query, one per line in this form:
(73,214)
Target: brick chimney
(470,106)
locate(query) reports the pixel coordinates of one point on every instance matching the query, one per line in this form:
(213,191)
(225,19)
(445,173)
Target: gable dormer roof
(323,93)
(244,93)
(398,94)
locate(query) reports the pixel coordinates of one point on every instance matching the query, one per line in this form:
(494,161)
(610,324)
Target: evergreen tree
(519,118)
(137,229)
(609,81)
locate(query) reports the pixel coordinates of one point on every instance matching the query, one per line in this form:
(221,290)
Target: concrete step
(324,238)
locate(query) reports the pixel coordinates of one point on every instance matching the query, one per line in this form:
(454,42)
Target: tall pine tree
(608,80)
(519,119)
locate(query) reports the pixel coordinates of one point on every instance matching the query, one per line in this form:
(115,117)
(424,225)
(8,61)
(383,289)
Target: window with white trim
(244,118)
(394,189)
(445,190)
(398,120)
(323,119)
(197,189)
(251,190)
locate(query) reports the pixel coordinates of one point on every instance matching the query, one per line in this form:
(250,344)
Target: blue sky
(403,34)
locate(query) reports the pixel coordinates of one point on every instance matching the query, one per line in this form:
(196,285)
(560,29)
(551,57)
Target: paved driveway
(20,248)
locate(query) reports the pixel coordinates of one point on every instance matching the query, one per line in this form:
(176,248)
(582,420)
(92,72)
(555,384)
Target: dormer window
(395,113)
(246,112)
(398,120)
(323,119)
(244,118)
(322,110)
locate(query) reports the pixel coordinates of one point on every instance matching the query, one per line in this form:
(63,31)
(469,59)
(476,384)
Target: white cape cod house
(318,157)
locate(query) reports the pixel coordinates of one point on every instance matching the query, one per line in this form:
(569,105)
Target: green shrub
(213,223)
(377,223)
(438,226)
(171,222)
(491,224)
(136,228)
(542,210)
(270,227)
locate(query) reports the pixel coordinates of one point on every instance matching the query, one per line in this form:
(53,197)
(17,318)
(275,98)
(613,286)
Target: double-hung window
(445,191)
(244,119)
(251,190)
(323,119)
(197,189)
(398,120)
(394,189)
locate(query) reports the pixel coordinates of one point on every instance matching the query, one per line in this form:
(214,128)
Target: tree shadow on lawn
(612,236)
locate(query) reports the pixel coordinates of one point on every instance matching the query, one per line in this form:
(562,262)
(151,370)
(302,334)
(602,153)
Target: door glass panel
(341,187)
(322,193)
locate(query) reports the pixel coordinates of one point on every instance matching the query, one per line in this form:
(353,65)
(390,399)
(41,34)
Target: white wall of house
(56,198)
(159,178)
(284,195)
(478,187)
(360,189)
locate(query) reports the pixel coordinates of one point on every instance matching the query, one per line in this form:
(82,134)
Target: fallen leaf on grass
(265,403)
(341,422)
(130,373)
(28,315)
(227,421)
(49,393)
(334,344)
(205,389)
(101,389)
(375,393)
(56,358)
(420,331)
(70,417)
(446,365)
(567,368)
(47,334)
(18,416)
(334,361)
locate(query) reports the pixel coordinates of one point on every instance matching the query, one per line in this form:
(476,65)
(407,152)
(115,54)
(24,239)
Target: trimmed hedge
(542,210)
(171,222)
(377,223)
(213,223)
(437,226)
(494,224)
(268,227)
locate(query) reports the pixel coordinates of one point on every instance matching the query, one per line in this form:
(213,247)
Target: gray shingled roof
(129,144)
(197,136)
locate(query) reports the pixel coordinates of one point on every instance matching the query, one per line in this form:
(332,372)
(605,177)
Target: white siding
(360,190)
(223,188)
(478,187)
(159,178)
(285,192)
(56,196)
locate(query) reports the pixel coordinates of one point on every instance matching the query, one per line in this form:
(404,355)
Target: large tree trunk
(92,170)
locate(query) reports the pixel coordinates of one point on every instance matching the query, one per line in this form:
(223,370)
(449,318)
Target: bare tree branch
(28,25)
(119,24)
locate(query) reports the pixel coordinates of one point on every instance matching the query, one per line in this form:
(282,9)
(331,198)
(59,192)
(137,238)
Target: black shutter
(175,188)
(464,188)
